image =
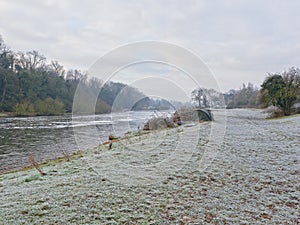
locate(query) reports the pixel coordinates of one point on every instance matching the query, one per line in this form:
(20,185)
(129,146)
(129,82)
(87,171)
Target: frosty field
(253,178)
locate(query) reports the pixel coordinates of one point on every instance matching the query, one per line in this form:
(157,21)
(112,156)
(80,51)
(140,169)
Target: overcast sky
(240,41)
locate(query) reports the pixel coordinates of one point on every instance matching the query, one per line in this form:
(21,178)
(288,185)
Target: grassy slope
(254,179)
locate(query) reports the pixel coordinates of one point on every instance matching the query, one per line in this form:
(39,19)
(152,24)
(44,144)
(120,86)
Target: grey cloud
(240,40)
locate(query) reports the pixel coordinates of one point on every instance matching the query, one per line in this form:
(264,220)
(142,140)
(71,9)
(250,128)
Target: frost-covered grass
(254,179)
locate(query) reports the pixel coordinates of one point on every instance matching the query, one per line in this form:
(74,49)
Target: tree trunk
(4,89)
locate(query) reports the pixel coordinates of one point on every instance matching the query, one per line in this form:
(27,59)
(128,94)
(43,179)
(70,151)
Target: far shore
(6,114)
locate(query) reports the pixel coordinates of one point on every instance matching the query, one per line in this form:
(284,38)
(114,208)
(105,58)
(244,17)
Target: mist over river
(47,137)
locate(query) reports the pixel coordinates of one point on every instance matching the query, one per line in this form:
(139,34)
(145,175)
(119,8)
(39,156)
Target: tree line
(247,96)
(29,85)
(280,90)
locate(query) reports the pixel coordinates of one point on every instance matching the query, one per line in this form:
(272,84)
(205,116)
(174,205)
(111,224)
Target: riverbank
(254,179)
(74,155)
(5,114)
(50,137)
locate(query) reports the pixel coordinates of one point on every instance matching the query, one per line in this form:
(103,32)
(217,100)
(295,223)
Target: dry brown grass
(35,164)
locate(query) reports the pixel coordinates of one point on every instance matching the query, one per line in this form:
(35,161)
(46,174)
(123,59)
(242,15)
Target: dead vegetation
(159,123)
(64,152)
(35,164)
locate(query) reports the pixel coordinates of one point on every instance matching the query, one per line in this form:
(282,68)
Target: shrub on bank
(47,107)
(102,107)
(159,123)
(24,109)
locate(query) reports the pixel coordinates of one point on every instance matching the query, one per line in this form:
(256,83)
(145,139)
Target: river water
(48,137)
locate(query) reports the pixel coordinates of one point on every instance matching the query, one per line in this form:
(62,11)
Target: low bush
(24,109)
(49,107)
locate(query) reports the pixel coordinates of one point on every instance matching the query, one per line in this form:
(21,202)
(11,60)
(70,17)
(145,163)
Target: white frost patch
(253,179)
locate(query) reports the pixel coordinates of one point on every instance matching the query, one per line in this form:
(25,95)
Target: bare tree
(57,69)
(31,60)
(199,96)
